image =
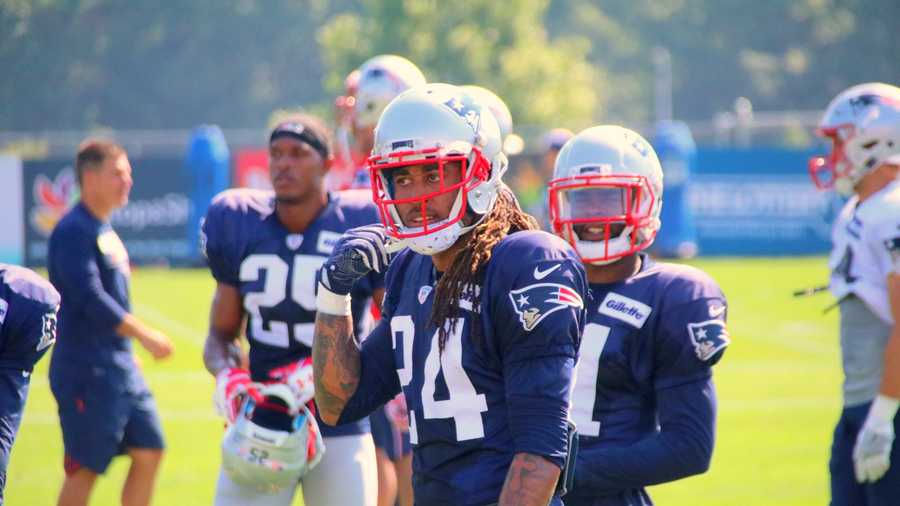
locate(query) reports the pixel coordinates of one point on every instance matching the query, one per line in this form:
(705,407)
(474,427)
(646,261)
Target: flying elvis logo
(535,302)
(708,338)
(466,107)
(630,311)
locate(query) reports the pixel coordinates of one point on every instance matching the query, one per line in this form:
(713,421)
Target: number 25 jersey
(247,247)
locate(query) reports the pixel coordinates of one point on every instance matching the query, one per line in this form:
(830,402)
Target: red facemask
(471,175)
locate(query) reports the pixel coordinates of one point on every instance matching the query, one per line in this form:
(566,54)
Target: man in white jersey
(863,123)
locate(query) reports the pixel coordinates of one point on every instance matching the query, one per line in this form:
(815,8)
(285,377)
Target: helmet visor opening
(602,209)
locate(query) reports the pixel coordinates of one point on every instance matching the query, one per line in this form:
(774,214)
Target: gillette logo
(626,309)
(632,311)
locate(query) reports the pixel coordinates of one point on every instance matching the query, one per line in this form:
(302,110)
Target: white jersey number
(303,292)
(585,393)
(464,404)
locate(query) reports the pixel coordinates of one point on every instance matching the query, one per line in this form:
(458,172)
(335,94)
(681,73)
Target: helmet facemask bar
(585,202)
(474,170)
(826,171)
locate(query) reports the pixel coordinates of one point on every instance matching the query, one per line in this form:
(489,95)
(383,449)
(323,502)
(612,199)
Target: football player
(28,307)
(644,401)
(381,78)
(264,248)
(346,159)
(863,124)
(482,312)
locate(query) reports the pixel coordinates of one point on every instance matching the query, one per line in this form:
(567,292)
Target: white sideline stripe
(177,328)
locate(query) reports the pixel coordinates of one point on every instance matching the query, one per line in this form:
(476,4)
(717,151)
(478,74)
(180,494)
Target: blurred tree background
(137,64)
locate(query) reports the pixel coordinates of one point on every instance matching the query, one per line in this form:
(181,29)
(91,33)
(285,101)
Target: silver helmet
(863,123)
(382,78)
(434,125)
(273,443)
(606,193)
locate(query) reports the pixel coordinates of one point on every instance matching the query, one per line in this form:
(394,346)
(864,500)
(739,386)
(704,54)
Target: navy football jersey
(484,398)
(661,328)
(28,307)
(248,247)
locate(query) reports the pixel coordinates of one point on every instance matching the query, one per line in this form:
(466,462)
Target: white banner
(12,209)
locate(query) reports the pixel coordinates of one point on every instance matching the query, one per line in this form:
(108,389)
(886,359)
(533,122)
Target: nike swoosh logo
(539,274)
(716,311)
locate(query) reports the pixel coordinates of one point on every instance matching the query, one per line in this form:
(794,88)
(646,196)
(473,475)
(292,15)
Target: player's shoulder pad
(693,302)
(236,202)
(679,283)
(357,206)
(28,285)
(538,274)
(530,246)
(882,214)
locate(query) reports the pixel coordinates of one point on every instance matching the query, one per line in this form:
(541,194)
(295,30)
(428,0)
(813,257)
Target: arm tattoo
(531,480)
(336,364)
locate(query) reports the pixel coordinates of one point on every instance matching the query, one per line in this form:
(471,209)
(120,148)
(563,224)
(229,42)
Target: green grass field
(778,390)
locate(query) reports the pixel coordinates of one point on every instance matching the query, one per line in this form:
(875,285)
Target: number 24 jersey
(484,398)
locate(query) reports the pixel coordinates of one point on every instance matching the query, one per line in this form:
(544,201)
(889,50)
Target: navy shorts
(100,420)
(13,392)
(393,441)
(845,491)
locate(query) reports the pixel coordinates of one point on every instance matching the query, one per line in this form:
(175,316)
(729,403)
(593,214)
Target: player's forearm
(890,380)
(220,351)
(682,448)
(531,480)
(660,459)
(336,364)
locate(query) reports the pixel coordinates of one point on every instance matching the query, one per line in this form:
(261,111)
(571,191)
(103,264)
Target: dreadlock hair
(467,271)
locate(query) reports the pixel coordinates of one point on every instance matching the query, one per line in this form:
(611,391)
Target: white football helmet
(606,193)
(268,449)
(436,124)
(494,104)
(863,123)
(380,80)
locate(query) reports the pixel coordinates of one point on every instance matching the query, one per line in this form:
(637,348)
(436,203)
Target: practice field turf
(778,385)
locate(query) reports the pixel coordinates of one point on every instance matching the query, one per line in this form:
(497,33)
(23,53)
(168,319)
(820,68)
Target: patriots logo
(466,107)
(863,101)
(535,302)
(708,337)
(48,335)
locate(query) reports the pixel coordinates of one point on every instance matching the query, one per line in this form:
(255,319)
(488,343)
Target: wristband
(331,303)
(884,408)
